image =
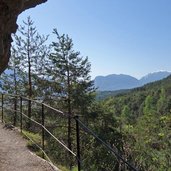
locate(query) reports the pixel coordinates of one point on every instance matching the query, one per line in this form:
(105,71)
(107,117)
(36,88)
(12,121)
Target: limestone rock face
(9,11)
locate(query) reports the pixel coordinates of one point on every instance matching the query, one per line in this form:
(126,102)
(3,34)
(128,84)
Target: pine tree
(32,52)
(70,72)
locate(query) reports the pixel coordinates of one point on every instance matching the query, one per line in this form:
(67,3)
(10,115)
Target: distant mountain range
(118,82)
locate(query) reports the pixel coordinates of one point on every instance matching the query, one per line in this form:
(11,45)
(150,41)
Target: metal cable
(80,122)
(106,145)
(46,131)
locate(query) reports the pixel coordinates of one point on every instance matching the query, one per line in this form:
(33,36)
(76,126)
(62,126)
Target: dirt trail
(15,156)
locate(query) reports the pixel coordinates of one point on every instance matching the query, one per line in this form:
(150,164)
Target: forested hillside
(101,95)
(144,120)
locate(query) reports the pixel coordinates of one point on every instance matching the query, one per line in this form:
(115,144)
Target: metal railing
(18,106)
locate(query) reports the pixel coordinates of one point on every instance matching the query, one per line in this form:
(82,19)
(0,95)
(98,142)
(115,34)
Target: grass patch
(75,169)
(36,138)
(63,168)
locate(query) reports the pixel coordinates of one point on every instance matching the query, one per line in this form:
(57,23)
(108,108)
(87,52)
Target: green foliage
(72,84)
(27,62)
(12,82)
(102,121)
(36,139)
(101,95)
(161,108)
(145,118)
(70,71)
(149,105)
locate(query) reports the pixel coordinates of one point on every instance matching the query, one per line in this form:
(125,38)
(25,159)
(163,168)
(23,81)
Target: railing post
(29,114)
(21,114)
(15,110)
(78,143)
(2,107)
(43,131)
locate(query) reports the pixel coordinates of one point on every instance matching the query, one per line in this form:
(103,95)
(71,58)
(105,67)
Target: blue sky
(119,36)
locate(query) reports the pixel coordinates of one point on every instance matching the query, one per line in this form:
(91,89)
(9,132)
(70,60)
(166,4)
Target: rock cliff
(9,11)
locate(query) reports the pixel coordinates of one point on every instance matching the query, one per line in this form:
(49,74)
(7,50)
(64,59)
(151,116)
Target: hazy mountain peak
(122,81)
(155,76)
(115,82)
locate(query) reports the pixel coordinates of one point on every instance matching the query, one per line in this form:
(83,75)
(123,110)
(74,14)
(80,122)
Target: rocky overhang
(9,11)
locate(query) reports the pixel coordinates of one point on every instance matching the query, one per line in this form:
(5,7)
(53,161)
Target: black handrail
(39,124)
(88,130)
(79,124)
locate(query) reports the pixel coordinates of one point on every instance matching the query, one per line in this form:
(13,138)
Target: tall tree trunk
(15,98)
(29,79)
(69,117)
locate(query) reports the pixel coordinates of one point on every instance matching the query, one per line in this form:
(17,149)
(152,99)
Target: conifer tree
(32,52)
(71,72)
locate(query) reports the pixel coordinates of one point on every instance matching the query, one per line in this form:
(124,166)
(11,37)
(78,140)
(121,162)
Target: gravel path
(15,156)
